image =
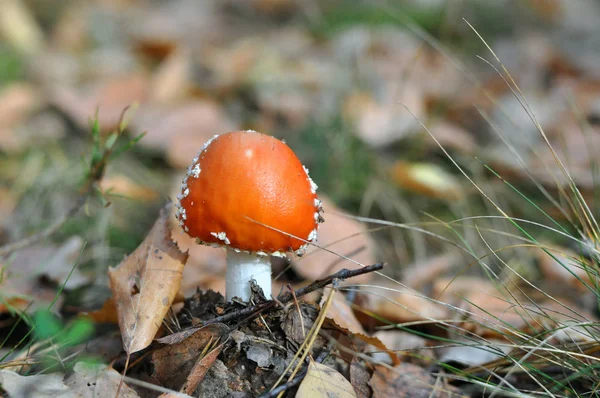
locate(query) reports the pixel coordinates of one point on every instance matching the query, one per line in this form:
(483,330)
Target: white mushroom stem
(241,269)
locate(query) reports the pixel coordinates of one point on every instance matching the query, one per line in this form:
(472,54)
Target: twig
(287,297)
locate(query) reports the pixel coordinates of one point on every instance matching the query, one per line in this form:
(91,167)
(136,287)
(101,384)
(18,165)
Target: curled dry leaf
(182,363)
(342,236)
(324,382)
(341,312)
(410,381)
(145,284)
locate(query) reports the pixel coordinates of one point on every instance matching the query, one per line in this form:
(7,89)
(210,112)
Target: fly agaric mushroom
(249,193)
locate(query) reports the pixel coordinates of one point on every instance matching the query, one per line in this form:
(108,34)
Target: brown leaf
(122,185)
(324,382)
(565,267)
(180,362)
(171,81)
(341,312)
(380,122)
(19,101)
(199,370)
(106,314)
(109,97)
(408,380)
(181,130)
(396,304)
(145,284)
(359,378)
(421,274)
(340,235)
(492,311)
(26,275)
(400,343)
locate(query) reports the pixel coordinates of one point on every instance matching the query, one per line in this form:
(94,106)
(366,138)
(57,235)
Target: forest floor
(454,145)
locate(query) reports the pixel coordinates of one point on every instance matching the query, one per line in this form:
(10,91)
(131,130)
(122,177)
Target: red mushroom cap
(248,191)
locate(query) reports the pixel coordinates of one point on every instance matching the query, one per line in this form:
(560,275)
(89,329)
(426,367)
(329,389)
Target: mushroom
(247,192)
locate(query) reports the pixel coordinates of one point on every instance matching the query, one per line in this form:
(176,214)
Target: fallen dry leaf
(400,342)
(200,368)
(86,381)
(410,381)
(145,284)
(382,122)
(340,235)
(421,274)
(359,378)
(106,314)
(90,381)
(181,130)
(109,97)
(341,312)
(172,80)
(122,185)
(40,386)
(396,305)
(492,312)
(565,267)
(19,101)
(180,363)
(19,27)
(324,382)
(427,179)
(26,276)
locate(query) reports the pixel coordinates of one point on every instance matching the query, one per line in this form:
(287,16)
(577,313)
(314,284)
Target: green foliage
(339,162)
(350,13)
(11,66)
(46,325)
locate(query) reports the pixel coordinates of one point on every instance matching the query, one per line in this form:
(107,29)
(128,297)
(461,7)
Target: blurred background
(346,83)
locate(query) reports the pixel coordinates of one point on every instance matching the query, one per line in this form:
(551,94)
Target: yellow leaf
(427,179)
(322,381)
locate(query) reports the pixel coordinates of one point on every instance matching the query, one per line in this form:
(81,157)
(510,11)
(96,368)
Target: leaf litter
(193,79)
(144,285)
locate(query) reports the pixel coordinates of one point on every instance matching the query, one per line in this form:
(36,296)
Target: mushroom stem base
(241,269)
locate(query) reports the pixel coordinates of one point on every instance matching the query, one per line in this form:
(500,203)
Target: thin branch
(289,296)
